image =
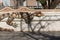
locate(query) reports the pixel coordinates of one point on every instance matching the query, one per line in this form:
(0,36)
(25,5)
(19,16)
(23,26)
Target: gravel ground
(29,36)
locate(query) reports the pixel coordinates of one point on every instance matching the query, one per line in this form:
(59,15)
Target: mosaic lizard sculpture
(28,17)
(24,15)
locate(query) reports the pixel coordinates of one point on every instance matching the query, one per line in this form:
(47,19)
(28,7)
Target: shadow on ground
(50,37)
(29,36)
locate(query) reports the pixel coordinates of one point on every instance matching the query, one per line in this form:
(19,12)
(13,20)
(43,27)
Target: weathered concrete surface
(18,36)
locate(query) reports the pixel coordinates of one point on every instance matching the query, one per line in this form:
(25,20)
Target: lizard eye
(8,13)
(3,14)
